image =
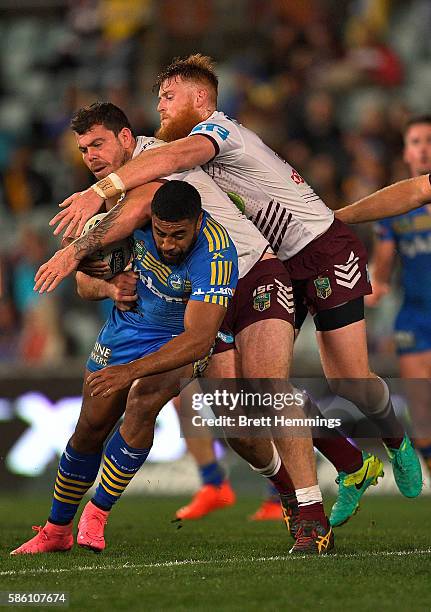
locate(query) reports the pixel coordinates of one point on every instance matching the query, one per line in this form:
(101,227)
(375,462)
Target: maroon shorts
(330,271)
(265,292)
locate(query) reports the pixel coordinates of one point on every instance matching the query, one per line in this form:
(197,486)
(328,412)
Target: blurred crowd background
(327,83)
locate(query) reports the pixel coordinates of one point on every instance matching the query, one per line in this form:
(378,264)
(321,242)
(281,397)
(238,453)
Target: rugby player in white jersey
(325,260)
(272,326)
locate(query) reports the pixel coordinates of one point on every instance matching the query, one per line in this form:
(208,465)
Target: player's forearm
(177,156)
(186,348)
(396,199)
(119,223)
(89,288)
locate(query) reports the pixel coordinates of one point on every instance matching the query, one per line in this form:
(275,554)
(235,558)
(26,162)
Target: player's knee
(89,436)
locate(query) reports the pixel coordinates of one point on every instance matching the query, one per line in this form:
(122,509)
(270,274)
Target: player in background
(276,319)
(409,236)
(161,341)
(325,260)
(209,497)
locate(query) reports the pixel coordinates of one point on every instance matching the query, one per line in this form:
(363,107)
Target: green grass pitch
(223,562)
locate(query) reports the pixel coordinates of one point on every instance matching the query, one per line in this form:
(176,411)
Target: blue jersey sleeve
(384,230)
(213,270)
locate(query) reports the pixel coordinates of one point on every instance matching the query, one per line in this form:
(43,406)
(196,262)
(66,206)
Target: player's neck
(206,113)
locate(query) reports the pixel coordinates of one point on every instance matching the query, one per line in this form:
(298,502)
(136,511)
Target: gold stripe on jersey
(210,240)
(227,272)
(166,269)
(213,272)
(216,237)
(217,299)
(220,273)
(151,268)
(221,232)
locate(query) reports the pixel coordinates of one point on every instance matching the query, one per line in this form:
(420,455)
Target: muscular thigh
(265,349)
(344,351)
(146,398)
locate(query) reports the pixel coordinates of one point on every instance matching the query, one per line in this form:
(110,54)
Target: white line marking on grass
(134,566)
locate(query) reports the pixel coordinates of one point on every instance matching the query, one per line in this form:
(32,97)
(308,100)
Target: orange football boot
(91,528)
(50,538)
(206,500)
(269,510)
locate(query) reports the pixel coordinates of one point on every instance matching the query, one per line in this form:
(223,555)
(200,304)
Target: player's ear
(199,221)
(201,97)
(125,136)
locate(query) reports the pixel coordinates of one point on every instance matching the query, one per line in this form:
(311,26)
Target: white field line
(133,566)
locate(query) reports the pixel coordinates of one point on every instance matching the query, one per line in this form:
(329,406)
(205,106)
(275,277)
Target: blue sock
(212,473)
(76,473)
(272,493)
(120,464)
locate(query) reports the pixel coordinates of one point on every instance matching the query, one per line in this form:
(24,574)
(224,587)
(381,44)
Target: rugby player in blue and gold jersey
(185,283)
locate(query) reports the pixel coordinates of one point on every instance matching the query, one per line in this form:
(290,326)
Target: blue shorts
(124,338)
(412,331)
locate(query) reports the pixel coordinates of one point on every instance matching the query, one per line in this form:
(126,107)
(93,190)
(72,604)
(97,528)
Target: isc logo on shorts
(284,296)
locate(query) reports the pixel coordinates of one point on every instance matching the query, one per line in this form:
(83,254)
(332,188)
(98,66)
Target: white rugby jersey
(249,242)
(273,195)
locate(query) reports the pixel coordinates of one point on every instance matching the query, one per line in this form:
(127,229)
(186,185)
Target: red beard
(180,127)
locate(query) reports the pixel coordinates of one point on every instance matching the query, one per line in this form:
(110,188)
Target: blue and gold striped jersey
(411,234)
(209,273)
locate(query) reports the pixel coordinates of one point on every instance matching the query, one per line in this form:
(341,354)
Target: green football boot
(407,468)
(351,488)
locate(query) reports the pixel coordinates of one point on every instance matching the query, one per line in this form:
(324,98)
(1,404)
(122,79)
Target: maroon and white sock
(310,504)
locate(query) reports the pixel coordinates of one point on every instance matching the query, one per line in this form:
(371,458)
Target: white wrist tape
(118,183)
(110,186)
(97,189)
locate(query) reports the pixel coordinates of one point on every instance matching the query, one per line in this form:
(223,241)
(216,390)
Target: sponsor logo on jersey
(211,127)
(101,354)
(176,282)
(323,287)
(296,177)
(214,291)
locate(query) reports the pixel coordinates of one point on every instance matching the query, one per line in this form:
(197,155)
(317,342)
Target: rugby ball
(117,255)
